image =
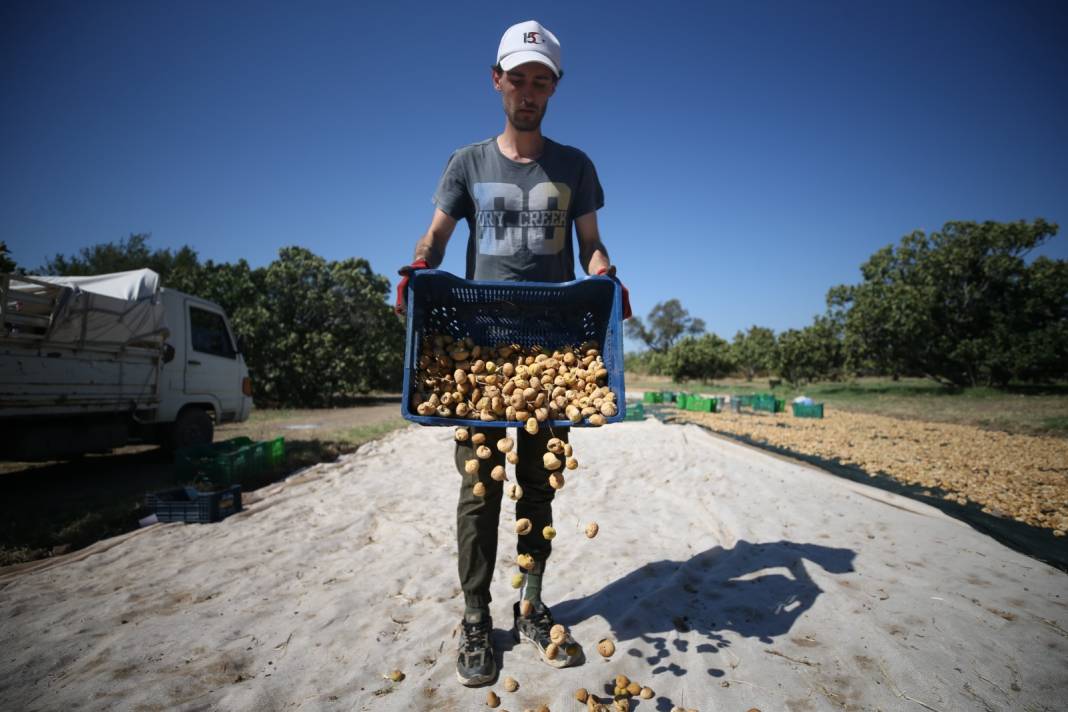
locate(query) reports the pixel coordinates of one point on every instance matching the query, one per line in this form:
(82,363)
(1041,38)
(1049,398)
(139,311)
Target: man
(520,194)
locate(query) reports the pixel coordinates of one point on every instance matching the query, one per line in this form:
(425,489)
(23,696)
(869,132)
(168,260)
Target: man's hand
(402,288)
(610,271)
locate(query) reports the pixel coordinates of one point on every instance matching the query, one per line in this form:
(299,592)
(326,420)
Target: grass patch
(1024,409)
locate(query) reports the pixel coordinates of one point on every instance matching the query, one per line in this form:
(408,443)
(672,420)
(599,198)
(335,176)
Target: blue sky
(752,154)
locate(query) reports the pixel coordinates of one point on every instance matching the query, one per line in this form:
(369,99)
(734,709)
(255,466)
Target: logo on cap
(533,38)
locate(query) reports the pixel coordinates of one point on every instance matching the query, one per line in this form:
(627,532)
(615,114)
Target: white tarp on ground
(110,309)
(728,578)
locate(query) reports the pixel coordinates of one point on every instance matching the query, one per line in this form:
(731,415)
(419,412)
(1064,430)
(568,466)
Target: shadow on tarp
(742,589)
(1036,542)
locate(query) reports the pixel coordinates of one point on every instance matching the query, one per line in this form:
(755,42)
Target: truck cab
(207,369)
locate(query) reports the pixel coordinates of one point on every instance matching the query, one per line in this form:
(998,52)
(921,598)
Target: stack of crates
(635,411)
(227,462)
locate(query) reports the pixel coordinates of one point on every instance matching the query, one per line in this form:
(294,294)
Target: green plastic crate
(223,463)
(652,397)
(680,401)
(268,454)
(667,396)
(635,411)
(701,405)
(808,410)
(780,405)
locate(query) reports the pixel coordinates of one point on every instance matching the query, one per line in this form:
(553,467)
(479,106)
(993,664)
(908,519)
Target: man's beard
(525,121)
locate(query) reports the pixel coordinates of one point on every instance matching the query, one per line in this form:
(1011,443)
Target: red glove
(611,272)
(402,288)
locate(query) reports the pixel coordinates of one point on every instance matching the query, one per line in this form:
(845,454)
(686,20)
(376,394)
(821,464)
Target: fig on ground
(523,526)
(558,634)
(591,530)
(548,533)
(606,648)
(510,684)
(505,444)
(471,467)
(498,473)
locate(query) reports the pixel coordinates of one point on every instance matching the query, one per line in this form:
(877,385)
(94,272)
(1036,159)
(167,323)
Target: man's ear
(496,78)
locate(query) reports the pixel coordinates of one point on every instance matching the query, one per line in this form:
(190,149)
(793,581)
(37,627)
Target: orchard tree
(754,350)
(699,358)
(961,306)
(667,322)
(810,354)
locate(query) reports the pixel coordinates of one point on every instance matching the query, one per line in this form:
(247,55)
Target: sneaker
(475,662)
(534,629)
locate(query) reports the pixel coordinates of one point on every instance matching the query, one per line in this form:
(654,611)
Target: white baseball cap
(529,42)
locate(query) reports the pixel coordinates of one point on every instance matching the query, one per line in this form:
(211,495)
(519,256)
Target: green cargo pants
(477,518)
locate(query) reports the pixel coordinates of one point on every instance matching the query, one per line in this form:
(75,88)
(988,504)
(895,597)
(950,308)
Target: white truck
(93,363)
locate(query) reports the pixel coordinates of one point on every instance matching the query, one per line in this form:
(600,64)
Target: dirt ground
(50,508)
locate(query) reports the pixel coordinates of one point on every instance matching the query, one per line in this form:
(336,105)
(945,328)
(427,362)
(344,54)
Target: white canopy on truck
(131,286)
(110,310)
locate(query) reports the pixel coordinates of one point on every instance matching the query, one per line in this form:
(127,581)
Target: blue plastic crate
(525,313)
(186,504)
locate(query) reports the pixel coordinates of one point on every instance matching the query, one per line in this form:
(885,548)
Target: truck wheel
(193,426)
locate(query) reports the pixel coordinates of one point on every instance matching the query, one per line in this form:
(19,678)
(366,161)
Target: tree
(330,331)
(699,358)
(178,270)
(810,354)
(961,306)
(6,263)
(754,350)
(668,321)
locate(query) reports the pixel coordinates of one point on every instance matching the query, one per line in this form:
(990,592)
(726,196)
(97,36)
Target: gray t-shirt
(520,215)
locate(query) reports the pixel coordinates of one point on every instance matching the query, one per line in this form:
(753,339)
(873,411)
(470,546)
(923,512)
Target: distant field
(1031,410)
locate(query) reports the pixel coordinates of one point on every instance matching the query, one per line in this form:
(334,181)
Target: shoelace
(542,621)
(476,635)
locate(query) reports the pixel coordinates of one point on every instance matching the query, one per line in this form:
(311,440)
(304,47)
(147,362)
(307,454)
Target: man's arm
(593,255)
(431,246)
(429,252)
